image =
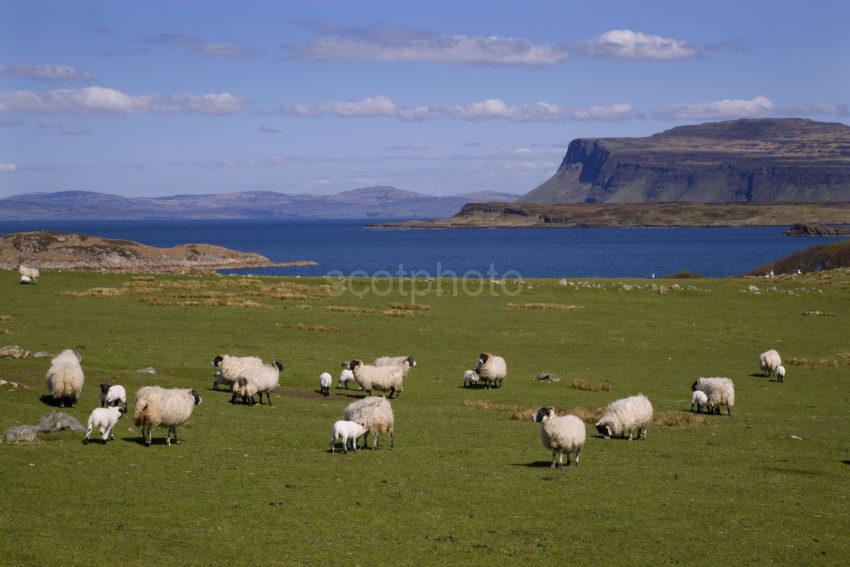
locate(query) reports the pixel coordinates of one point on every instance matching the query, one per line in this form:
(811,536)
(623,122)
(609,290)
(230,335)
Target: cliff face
(748,160)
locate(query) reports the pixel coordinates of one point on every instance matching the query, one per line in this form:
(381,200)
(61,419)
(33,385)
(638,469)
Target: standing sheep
(699,400)
(470,377)
(345,375)
(231,367)
(623,416)
(105,420)
(346,431)
(719,391)
(382,378)
(375,414)
(113,395)
(780,374)
(170,408)
(65,377)
(325,380)
(769,361)
(491,369)
(31,274)
(560,434)
(257,380)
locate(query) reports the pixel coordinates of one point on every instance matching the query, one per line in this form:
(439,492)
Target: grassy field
(465,483)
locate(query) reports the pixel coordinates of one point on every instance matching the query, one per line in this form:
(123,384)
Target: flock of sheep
(249,376)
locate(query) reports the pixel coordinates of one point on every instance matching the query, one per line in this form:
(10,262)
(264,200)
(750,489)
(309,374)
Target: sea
(348,247)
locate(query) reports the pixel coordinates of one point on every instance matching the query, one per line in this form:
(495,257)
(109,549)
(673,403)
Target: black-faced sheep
(719,391)
(623,416)
(169,408)
(257,380)
(491,369)
(769,361)
(383,378)
(561,434)
(375,414)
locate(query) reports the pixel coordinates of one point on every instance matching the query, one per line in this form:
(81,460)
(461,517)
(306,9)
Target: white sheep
(113,394)
(231,367)
(375,414)
(491,369)
(345,431)
(769,361)
(561,434)
(325,380)
(470,377)
(26,280)
(780,374)
(170,408)
(65,377)
(382,378)
(345,376)
(31,273)
(699,400)
(105,420)
(257,380)
(719,391)
(623,416)
(398,360)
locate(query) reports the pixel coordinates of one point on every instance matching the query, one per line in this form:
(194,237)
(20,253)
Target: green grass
(465,484)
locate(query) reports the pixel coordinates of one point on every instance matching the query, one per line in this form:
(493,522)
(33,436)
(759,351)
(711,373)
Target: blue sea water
(346,246)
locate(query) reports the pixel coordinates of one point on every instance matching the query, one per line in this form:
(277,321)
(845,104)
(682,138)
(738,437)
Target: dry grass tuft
(679,418)
(213,301)
(5,318)
(409,306)
(545,306)
(812,362)
(818,314)
(845,357)
(589,387)
(142,279)
(588,414)
(399,313)
(348,309)
(320,329)
(97,292)
(4,331)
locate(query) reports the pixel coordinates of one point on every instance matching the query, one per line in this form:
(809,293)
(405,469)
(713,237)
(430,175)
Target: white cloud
(619,111)
(727,108)
(7,167)
(76,132)
(416,146)
(100,100)
(369,107)
(628,44)
(405,44)
(823,108)
(194,44)
(45,72)
(496,109)
(45,125)
(267,129)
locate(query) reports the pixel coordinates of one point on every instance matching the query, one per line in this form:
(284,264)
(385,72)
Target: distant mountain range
(366,202)
(736,161)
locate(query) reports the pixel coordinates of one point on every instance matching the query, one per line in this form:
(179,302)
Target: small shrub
(348,309)
(319,329)
(589,387)
(409,306)
(399,313)
(812,362)
(544,306)
(679,418)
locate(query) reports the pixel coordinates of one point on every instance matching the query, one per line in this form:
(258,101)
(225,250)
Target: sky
(161,98)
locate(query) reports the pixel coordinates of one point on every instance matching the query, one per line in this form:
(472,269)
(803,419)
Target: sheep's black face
(602,429)
(541,415)
(411,361)
(197,397)
(105,388)
(354,364)
(278,365)
(217,360)
(694,386)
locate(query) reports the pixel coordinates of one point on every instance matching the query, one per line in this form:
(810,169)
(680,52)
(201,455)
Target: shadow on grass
(758,375)
(847,462)
(141,440)
(535,464)
(48,400)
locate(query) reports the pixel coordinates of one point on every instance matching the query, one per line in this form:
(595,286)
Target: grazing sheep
(622,416)
(345,431)
(700,400)
(325,380)
(470,377)
(257,380)
(560,434)
(390,360)
(719,391)
(26,280)
(780,374)
(375,414)
(345,375)
(170,408)
(65,377)
(382,378)
(231,367)
(30,273)
(113,395)
(491,369)
(104,419)
(769,361)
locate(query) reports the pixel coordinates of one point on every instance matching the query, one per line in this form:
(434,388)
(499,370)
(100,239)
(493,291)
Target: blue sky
(158,98)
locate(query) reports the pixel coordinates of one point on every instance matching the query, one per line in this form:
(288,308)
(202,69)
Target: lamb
(26,280)
(170,408)
(780,374)
(383,378)
(769,361)
(491,369)
(560,434)
(325,380)
(113,395)
(65,377)
(345,375)
(719,391)
(257,380)
(622,416)
(375,414)
(30,273)
(345,431)
(470,377)
(230,368)
(105,420)
(700,400)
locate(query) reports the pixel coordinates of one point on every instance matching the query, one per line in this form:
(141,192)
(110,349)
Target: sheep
(105,420)
(26,280)
(325,380)
(383,378)
(622,416)
(491,369)
(375,414)
(30,273)
(231,367)
(345,376)
(65,377)
(390,360)
(769,361)
(113,395)
(780,374)
(560,434)
(257,379)
(470,377)
(345,431)
(167,407)
(719,391)
(700,400)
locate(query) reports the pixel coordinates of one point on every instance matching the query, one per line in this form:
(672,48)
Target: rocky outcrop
(747,160)
(800,229)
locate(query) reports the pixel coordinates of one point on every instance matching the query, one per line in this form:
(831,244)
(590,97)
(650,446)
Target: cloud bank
(45,72)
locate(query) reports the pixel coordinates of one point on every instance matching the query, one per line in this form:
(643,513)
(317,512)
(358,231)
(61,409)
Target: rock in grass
(21,434)
(148,370)
(42,354)
(14,351)
(58,421)
(544,377)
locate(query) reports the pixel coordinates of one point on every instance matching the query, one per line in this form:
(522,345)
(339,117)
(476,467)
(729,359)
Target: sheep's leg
(391,439)
(577,452)
(88,434)
(269,397)
(168,437)
(375,441)
(728,409)
(561,458)
(175,435)
(104,433)
(233,398)
(554,459)
(630,434)
(569,454)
